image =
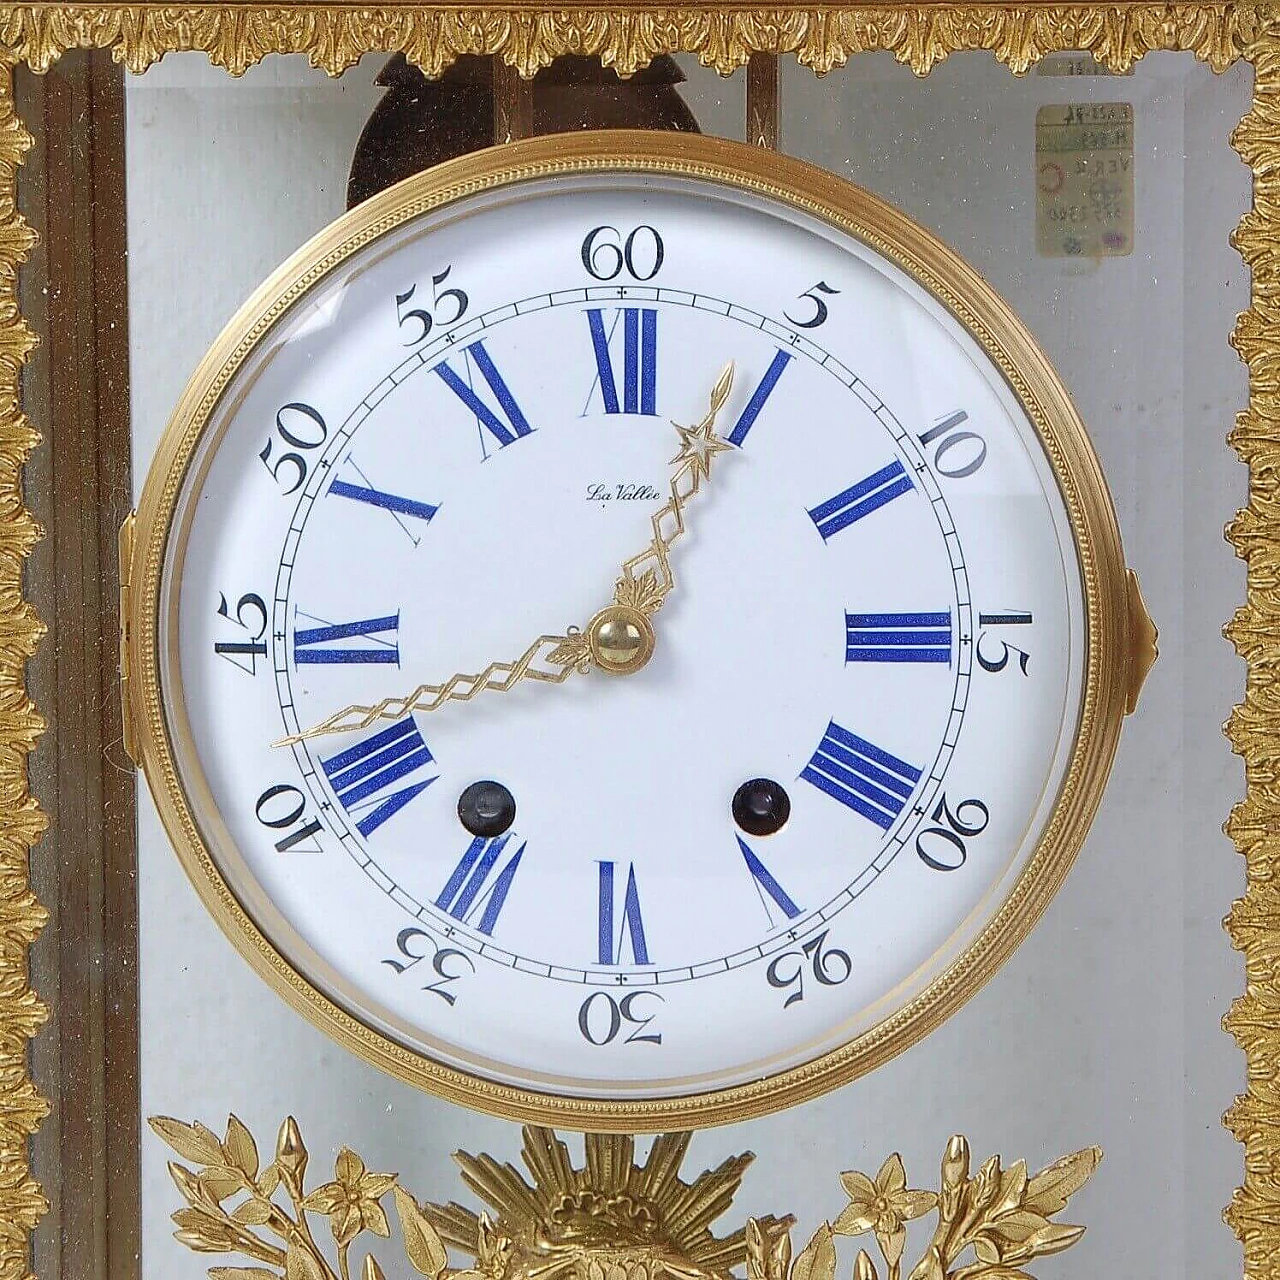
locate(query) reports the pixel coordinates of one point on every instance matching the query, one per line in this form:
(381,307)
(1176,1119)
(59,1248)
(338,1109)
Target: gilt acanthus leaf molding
(334,37)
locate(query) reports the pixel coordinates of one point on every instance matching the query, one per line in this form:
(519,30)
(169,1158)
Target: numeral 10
(973,448)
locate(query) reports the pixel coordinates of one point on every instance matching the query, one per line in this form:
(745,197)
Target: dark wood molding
(79,485)
(512,104)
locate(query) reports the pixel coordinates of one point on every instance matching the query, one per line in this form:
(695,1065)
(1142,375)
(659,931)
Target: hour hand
(551,658)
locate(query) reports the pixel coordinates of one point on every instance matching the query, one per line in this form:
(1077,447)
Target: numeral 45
(251,618)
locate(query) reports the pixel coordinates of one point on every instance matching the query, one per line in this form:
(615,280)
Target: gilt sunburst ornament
(610,1219)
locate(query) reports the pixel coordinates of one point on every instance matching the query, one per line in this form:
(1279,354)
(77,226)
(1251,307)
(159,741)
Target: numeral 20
(946,850)
(302,428)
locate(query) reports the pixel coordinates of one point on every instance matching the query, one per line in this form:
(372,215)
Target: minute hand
(647,578)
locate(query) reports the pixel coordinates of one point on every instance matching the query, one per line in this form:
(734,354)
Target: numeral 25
(830,967)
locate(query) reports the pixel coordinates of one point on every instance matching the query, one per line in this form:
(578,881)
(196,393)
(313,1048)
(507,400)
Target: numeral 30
(601,1018)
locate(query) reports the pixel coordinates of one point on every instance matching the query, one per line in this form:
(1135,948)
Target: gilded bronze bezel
(1104,588)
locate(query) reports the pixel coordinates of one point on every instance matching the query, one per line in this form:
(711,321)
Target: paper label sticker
(1084,180)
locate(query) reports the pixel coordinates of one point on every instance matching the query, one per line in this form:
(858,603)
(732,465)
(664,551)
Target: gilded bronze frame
(527,35)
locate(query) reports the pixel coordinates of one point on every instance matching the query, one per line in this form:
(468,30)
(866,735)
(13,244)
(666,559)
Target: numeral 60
(605,253)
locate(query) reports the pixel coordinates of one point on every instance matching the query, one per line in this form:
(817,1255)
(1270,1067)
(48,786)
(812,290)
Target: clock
(626,629)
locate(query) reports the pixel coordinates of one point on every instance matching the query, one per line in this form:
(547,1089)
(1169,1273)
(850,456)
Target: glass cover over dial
(683,848)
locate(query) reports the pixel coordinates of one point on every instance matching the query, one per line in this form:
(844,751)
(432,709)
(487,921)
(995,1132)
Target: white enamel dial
(876,642)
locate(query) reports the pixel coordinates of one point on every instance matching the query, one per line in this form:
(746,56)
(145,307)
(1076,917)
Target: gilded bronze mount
(613,1218)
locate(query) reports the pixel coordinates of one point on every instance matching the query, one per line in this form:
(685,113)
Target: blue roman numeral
(897,637)
(860,499)
(387,501)
(610,942)
(362,777)
(747,418)
(316,644)
(639,359)
(767,885)
(862,776)
(474,886)
(506,429)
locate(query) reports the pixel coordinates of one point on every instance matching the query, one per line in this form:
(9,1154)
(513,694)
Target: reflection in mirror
(1102,1029)
(421,122)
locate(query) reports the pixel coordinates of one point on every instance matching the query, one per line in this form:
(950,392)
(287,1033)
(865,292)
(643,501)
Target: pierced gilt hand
(647,578)
(618,640)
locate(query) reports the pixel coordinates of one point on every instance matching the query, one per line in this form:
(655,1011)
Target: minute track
(493,322)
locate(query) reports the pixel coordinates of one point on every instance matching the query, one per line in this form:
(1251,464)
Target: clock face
(849,751)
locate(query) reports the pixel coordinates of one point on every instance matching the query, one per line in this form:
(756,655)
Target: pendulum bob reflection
(420,122)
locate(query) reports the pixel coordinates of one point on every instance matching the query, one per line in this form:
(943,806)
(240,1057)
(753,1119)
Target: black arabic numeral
(441,958)
(419,314)
(455,299)
(284,806)
(244,653)
(830,967)
(972,447)
(946,850)
(820,309)
(404,939)
(301,427)
(605,253)
(1007,650)
(782,981)
(619,1012)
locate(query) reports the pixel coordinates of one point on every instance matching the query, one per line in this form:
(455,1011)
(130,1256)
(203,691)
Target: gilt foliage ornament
(333,37)
(610,1219)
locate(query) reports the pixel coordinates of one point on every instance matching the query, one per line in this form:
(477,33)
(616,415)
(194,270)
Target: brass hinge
(126,573)
(1144,646)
